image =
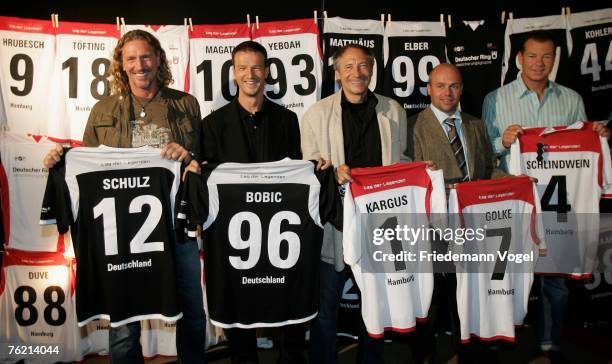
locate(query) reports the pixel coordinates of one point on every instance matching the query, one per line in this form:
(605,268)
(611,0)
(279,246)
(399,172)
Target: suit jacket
(322,137)
(223,137)
(428,141)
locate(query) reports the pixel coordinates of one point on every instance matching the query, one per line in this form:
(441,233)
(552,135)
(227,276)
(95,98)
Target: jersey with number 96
(118,204)
(572,166)
(262,246)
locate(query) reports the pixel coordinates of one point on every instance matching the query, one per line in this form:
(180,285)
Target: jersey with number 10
(507,209)
(118,204)
(211,79)
(572,165)
(264,225)
(402,195)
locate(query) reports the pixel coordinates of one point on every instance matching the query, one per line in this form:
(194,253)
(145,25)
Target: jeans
(551,311)
(325,326)
(124,341)
(243,345)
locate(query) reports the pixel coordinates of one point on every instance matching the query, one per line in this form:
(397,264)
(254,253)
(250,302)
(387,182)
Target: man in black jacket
(252,129)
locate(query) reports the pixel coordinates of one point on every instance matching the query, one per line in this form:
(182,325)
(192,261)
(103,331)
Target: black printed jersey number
(100,69)
(26,313)
(278,76)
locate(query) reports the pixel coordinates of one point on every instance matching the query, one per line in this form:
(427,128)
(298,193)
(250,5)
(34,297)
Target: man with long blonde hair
(142,110)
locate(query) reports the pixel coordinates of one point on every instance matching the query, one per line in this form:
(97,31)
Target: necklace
(142,106)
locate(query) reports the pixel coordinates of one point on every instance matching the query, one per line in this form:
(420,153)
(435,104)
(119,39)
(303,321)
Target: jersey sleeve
(56,200)
(537,226)
(606,168)
(192,209)
(330,202)
(514,166)
(350,238)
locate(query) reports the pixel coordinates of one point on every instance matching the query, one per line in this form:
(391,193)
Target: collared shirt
(362,145)
(514,103)
(441,116)
(255,128)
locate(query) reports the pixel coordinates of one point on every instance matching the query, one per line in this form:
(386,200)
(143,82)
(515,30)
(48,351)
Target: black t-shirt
(362,145)
(477,49)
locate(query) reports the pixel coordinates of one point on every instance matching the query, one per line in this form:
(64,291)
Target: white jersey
(27,51)
(174,40)
(22,180)
(516,31)
(392,298)
(94,338)
(211,79)
(81,75)
(37,305)
(572,165)
(507,211)
(411,50)
(295,62)
(338,32)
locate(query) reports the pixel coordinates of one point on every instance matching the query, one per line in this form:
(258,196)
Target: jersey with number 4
(27,54)
(572,165)
(411,51)
(492,297)
(37,306)
(81,75)
(295,63)
(211,78)
(397,295)
(118,204)
(264,225)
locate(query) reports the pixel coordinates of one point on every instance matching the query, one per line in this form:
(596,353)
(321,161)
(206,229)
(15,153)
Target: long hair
(119,81)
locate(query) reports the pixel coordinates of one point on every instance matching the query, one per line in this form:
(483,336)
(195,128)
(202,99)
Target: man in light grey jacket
(351,128)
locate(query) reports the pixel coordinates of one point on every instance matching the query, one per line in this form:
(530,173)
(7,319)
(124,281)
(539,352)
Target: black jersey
(338,32)
(118,204)
(591,60)
(411,50)
(516,32)
(264,225)
(477,49)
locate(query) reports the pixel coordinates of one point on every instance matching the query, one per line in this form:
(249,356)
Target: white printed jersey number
(253,242)
(138,244)
(590,62)
(403,73)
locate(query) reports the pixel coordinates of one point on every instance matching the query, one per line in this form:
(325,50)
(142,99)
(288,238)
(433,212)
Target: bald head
(445,87)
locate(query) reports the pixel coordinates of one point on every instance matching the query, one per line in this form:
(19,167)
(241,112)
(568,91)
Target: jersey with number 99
(118,204)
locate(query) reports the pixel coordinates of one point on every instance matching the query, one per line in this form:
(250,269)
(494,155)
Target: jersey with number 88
(37,300)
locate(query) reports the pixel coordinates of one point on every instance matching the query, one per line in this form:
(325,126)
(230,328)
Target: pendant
(143,113)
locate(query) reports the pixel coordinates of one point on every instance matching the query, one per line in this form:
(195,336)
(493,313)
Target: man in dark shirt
(252,129)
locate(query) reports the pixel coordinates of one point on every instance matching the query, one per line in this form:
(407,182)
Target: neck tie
(457,148)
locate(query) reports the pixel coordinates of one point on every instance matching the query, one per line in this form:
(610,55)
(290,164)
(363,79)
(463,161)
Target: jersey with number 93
(264,225)
(572,166)
(118,204)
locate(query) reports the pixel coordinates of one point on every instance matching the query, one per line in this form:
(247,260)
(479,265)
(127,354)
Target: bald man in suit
(470,157)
